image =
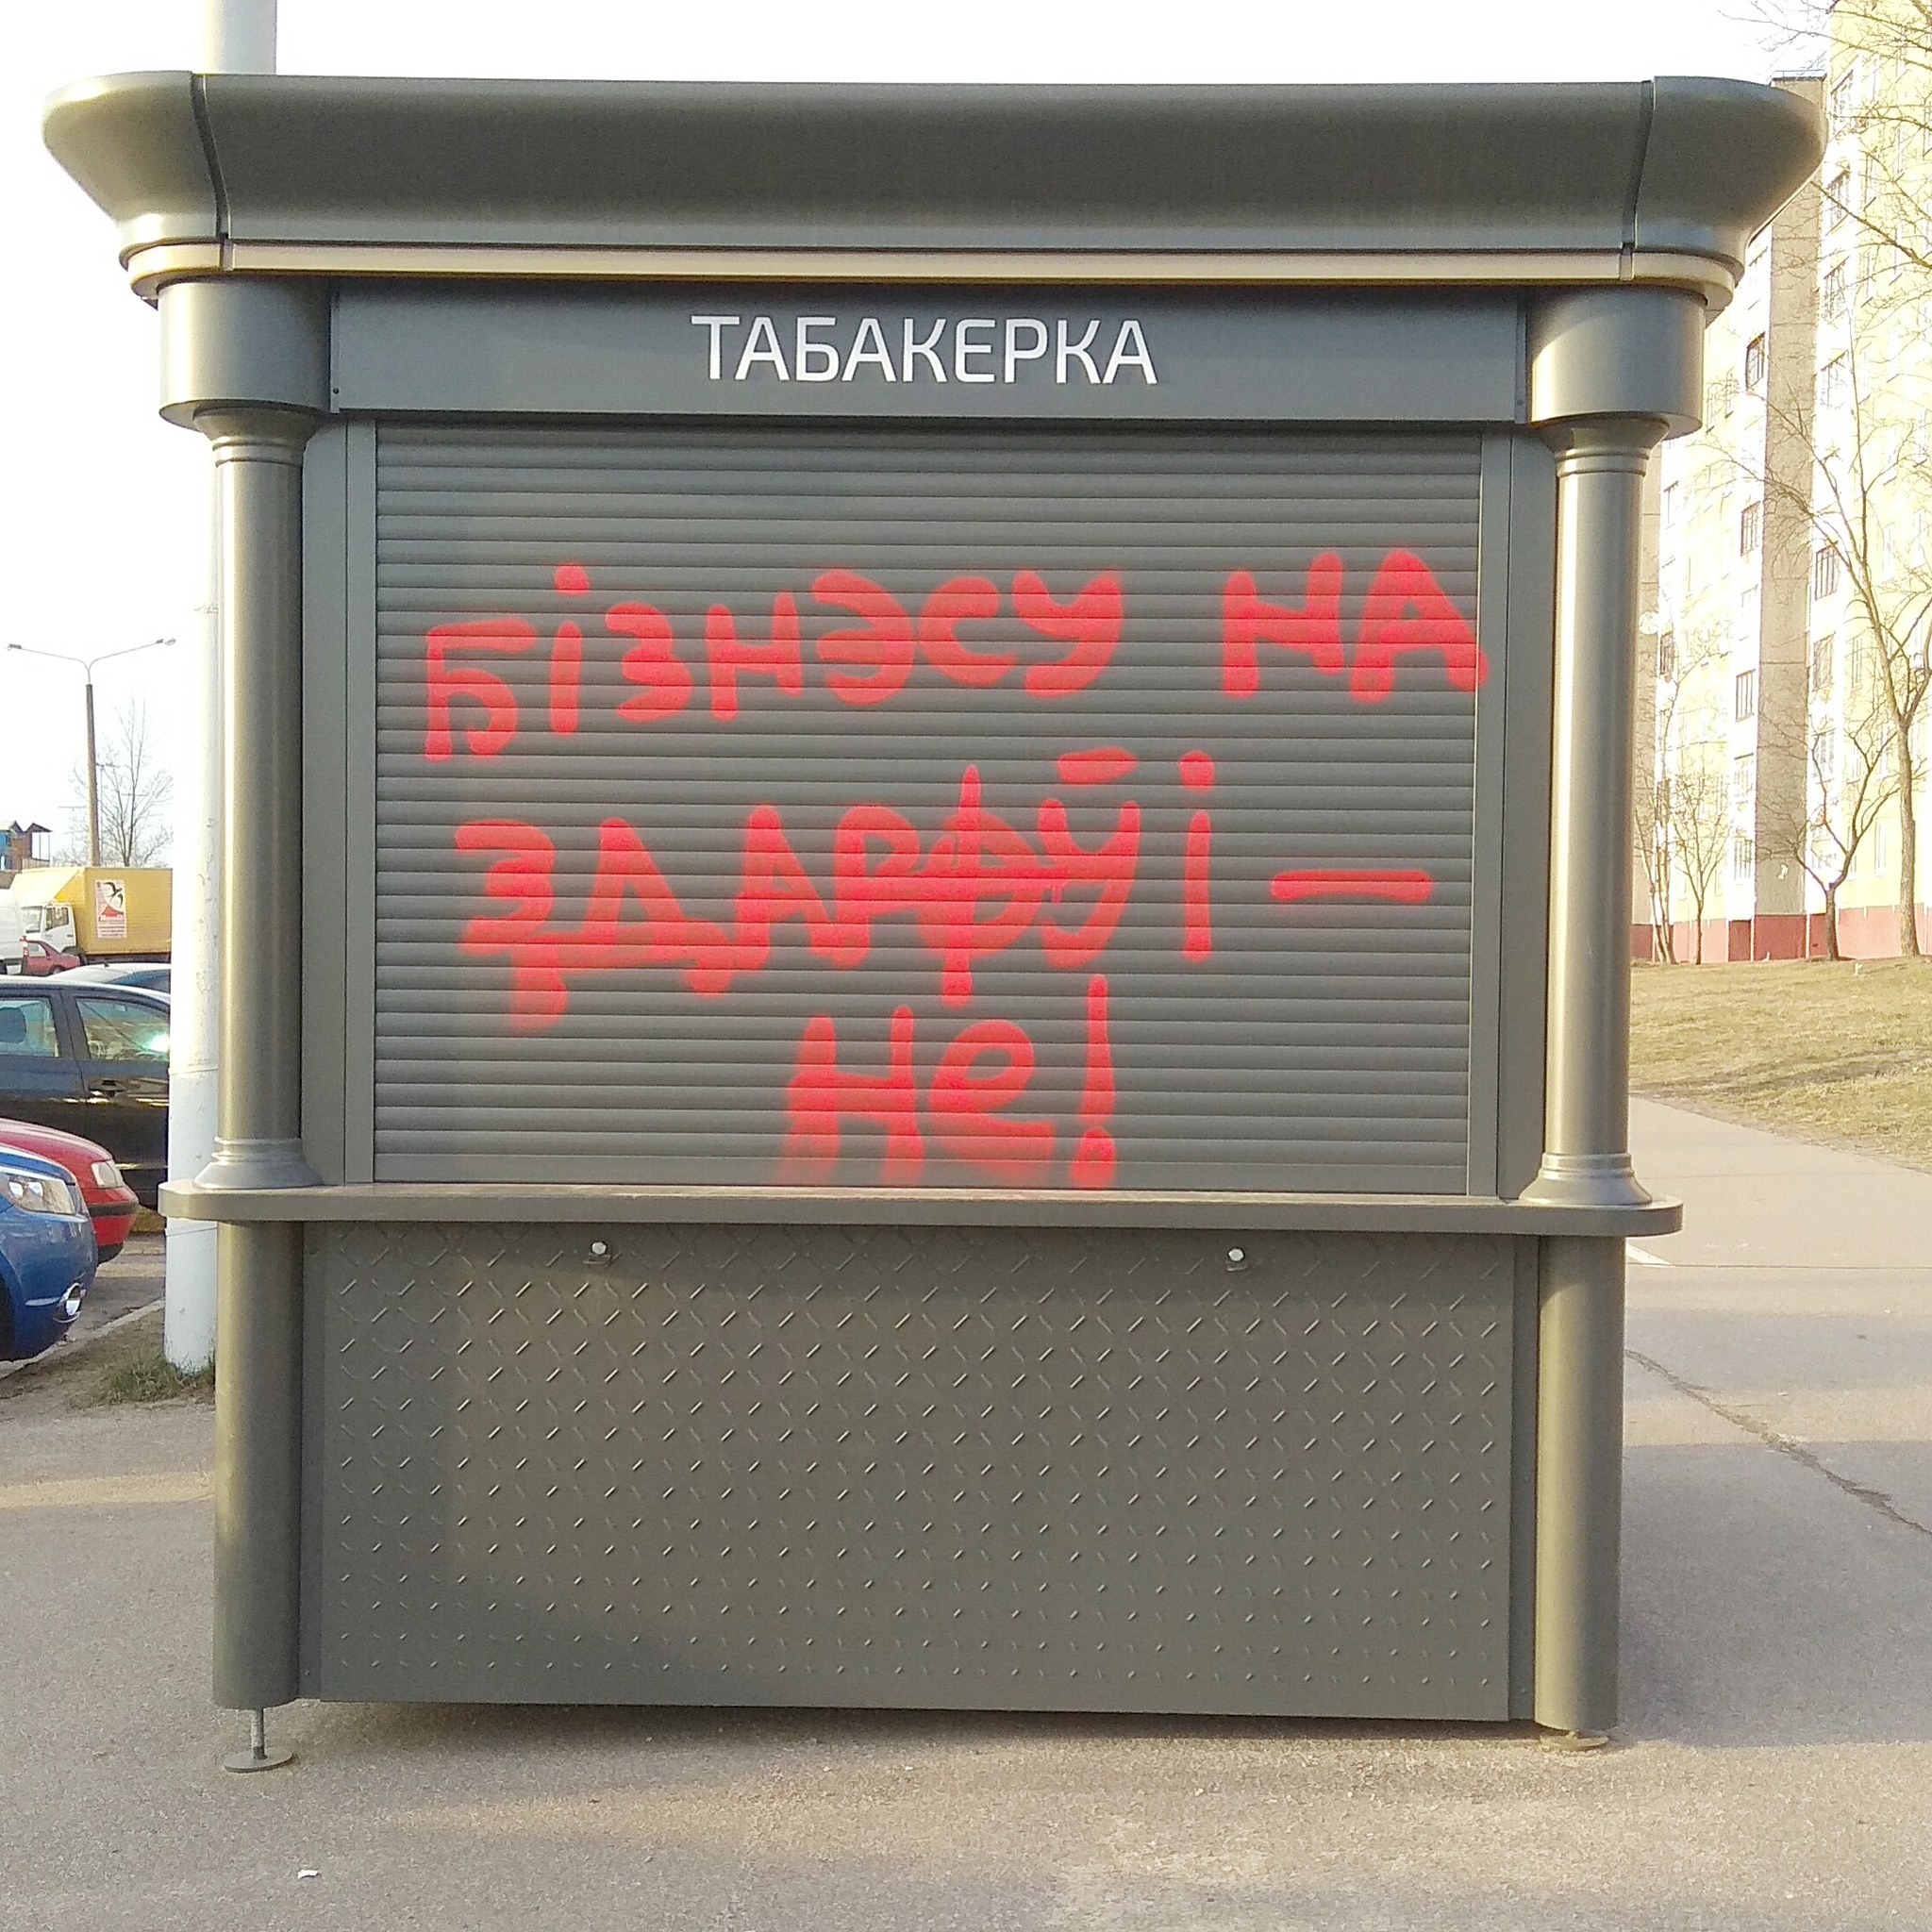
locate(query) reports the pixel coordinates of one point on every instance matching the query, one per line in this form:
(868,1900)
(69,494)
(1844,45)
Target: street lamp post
(94,769)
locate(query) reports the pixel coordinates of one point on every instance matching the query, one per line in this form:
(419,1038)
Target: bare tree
(1653,842)
(136,791)
(1851,781)
(1891,205)
(1680,664)
(1697,807)
(1868,492)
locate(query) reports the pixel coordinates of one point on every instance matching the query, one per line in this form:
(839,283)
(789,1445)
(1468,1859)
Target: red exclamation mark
(1197,918)
(1093,1158)
(567,652)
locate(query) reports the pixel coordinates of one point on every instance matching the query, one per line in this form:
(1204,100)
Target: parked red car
(109,1200)
(38,958)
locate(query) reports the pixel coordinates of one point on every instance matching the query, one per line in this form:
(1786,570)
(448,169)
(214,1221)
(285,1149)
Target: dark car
(46,1254)
(157,975)
(91,1060)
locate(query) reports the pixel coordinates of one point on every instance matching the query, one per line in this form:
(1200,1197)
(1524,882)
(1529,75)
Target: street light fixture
(87,667)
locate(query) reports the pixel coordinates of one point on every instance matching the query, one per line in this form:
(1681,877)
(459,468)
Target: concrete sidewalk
(1777,1769)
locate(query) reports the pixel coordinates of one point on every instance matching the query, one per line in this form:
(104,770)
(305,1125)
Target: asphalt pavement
(131,1280)
(1774,1770)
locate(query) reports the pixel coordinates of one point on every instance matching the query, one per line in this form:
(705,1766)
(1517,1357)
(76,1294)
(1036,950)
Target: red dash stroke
(1101,767)
(1397,888)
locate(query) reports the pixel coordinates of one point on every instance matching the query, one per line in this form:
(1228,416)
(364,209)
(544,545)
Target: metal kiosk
(925,887)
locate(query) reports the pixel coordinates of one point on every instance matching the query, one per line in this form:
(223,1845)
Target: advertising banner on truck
(111,908)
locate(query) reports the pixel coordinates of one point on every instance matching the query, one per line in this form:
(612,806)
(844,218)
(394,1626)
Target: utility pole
(94,763)
(236,37)
(93,779)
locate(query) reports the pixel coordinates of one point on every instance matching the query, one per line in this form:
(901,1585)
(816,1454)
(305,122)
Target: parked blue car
(46,1254)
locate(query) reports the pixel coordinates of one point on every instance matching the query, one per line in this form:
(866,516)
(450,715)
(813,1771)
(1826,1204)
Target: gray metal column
(1579,1490)
(1586,1159)
(258,1138)
(1587,1113)
(259,482)
(1611,372)
(257,1465)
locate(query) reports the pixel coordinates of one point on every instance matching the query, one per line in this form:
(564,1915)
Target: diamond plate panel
(1074,1469)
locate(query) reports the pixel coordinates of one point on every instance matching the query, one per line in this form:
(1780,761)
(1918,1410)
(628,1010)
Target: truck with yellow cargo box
(99,911)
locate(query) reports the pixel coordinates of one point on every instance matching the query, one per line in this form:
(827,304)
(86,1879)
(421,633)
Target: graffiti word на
(1405,613)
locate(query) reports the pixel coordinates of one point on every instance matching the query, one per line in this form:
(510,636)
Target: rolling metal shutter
(1322,1044)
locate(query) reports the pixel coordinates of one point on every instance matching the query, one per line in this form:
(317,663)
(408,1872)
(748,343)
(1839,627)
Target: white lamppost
(236,37)
(93,765)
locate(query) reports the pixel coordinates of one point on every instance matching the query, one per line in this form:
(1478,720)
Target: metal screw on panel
(599,1256)
(1237,1260)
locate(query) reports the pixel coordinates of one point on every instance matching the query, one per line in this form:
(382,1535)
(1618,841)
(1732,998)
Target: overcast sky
(105,508)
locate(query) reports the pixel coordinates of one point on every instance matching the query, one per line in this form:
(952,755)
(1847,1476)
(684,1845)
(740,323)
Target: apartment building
(1791,593)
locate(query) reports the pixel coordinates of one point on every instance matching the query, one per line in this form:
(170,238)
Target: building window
(1878,853)
(1838,199)
(1750,528)
(1835,384)
(1845,97)
(1825,756)
(1754,364)
(1824,573)
(1743,858)
(1671,504)
(1854,674)
(1743,778)
(1835,301)
(1823,650)
(1746,695)
(1666,655)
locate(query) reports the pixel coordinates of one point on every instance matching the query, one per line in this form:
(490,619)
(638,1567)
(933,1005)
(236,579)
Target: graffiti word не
(981,1074)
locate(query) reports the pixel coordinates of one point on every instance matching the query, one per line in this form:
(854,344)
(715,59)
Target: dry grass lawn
(1839,1053)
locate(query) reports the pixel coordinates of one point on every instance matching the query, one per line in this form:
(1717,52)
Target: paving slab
(1773,1773)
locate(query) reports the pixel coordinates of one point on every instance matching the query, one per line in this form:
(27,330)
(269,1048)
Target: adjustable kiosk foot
(258,1756)
(1576,1740)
